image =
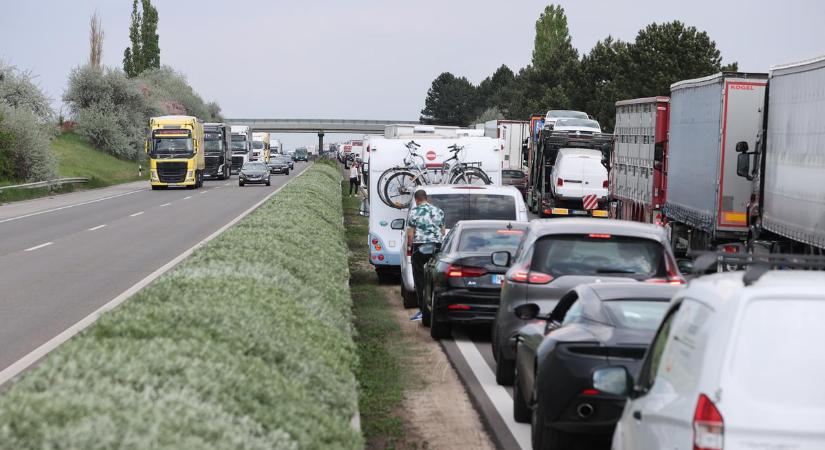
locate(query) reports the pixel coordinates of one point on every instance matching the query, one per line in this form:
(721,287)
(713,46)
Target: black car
(254,172)
(278,164)
(593,326)
(461,282)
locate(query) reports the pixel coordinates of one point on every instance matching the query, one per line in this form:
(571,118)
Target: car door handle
(637,415)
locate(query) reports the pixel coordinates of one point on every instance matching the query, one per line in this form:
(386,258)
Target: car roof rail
(755,265)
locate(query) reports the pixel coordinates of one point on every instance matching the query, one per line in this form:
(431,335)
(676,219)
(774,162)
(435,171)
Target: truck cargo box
(708,116)
(794,177)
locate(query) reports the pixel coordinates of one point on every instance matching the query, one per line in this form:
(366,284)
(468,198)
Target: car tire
(546,438)
(268,182)
(427,312)
(240,183)
(439,329)
(408,298)
(521,410)
(286,172)
(505,369)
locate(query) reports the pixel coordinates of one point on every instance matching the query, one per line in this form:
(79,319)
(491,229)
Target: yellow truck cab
(176,153)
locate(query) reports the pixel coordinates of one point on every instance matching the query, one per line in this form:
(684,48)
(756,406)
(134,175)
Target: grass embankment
(247,344)
(77,158)
(378,340)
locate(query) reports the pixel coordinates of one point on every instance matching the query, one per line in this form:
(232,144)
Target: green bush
(225,351)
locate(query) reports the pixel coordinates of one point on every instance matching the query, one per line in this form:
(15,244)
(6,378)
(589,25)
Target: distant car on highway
(279,164)
(735,364)
(462,283)
(254,172)
(559,254)
(515,178)
(594,326)
(301,154)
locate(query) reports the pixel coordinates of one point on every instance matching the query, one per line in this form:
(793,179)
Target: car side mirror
(743,164)
(613,380)
(528,311)
(685,265)
(397,224)
(741,147)
(501,259)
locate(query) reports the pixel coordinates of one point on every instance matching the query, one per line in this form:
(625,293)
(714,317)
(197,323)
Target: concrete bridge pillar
(320,141)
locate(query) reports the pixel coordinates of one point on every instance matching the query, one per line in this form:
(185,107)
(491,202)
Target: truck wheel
(155,188)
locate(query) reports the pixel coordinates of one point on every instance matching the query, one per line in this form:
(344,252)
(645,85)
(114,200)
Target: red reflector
(605,184)
(462,271)
(590,392)
(548,211)
(559,182)
(375,242)
(461,307)
(599,236)
(380,257)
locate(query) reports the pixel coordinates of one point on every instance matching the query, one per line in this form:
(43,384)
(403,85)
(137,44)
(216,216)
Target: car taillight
(559,182)
(605,184)
(528,276)
(464,271)
(730,249)
(708,426)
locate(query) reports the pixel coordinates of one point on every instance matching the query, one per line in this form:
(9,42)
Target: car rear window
(512,174)
(489,240)
(637,314)
(777,341)
(599,254)
(474,207)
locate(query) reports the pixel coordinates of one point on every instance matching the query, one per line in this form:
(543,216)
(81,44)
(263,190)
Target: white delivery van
(579,181)
(463,202)
(386,224)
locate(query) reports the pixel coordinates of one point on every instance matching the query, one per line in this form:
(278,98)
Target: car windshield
(257,145)
(637,314)
(254,166)
(212,145)
(474,207)
(512,174)
(559,113)
(586,123)
(489,240)
(599,254)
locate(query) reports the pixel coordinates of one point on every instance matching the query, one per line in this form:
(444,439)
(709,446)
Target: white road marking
(35,355)
(165,204)
(69,206)
(226,184)
(498,395)
(204,192)
(187,198)
(97,227)
(136,214)
(39,246)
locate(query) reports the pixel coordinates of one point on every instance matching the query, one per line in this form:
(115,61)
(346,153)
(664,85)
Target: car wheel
(268,182)
(286,172)
(546,438)
(409,298)
(505,369)
(427,311)
(440,330)
(240,183)
(521,410)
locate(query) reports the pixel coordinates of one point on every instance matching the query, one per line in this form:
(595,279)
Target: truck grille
(171,172)
(237,162)
(212,163)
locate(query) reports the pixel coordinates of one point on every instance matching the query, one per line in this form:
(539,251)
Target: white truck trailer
(513,134)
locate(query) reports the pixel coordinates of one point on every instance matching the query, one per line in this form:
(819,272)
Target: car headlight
(154,175)
(190,174)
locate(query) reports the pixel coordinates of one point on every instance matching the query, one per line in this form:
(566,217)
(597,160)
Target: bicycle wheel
(471,175)
(398,192)
(382,183)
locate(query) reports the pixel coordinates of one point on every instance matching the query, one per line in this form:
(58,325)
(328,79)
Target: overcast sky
(373,59)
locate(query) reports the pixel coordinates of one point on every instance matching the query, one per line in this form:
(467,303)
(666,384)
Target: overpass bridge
(319,126)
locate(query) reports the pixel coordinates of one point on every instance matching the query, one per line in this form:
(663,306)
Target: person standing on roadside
(353,178)
(425,228)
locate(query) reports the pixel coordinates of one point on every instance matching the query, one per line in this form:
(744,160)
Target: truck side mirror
(743,164)
(741,147)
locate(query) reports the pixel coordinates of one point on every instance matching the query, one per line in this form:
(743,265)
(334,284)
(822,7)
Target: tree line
(559,78)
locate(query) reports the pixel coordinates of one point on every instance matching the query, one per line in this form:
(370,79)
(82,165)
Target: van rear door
(594,176)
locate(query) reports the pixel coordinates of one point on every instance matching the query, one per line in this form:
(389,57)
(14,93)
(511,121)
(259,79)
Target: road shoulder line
(35,355)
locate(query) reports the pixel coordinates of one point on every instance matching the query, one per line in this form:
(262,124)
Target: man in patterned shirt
(425,227)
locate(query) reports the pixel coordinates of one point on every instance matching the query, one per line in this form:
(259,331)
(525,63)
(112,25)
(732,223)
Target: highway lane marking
(70,206)
(165,204)
(97,227)
(187,198)
(204,192)
(38,246)
(35,355)
(226,184)
(498,395)
(136,214)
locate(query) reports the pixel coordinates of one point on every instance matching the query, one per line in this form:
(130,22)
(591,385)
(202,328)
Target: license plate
(497,279)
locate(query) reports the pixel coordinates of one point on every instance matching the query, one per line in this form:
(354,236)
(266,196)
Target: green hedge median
(247,344)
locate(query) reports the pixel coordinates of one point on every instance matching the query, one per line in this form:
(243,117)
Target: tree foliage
(450,101)
(95,40)
(144,53)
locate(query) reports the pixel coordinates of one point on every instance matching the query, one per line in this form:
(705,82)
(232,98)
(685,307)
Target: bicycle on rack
(400,184)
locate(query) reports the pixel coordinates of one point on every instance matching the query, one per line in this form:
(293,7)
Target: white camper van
(386,224)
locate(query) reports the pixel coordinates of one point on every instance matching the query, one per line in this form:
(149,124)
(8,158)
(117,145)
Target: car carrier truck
(706,206)
(638,173)
(786,167)
(176,152)
(218,150)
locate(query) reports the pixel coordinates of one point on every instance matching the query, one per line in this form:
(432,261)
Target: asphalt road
(62,258)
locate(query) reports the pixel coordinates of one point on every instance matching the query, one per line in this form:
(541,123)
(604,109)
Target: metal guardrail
(47,183)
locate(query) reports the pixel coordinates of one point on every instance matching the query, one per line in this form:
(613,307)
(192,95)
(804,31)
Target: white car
(464,202)
(577,126)
(736,364)
(578,172)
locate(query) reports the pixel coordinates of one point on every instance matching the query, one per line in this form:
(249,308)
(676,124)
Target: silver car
(556,255)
